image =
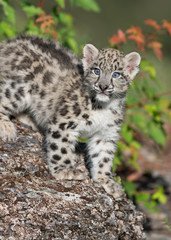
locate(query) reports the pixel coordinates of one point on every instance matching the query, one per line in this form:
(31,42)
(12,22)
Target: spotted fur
(64,98)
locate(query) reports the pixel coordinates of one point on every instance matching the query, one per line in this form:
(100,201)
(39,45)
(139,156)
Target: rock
(33,205)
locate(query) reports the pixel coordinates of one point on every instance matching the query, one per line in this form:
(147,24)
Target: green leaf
(131,99)
(117,179)
(32,29)
(127,133)
(157,133)
(129,188)
(32,11)
(72,44)
(61,3)
(148,88)
(139,120)
(148,67)
(116,162)
(142,197)
(166,221)
(8,11)
(151,206)
(151,109)
(65,18)
(89,5)
(7,29)
(136,144)
(160,195)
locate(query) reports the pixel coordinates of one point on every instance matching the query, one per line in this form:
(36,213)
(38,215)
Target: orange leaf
(156,46)
(41,18)
(137,36)
(114,39)
(45,18)
(45,21)
(54,35)
(47,24)
(134,30)
(48,17)
(138,39)
(44,25)
(152,23)
(52,32)
(167,26)
(121,35)
(118,38)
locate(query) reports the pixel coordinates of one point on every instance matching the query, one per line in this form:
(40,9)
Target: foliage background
(114,14)
(76,22)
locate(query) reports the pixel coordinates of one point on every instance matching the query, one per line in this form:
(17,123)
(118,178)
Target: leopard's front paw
(112,188)
(69,174)
(7,130)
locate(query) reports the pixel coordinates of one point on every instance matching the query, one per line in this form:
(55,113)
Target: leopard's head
(108,73)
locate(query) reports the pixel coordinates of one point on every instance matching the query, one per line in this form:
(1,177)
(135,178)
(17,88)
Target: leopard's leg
(60,145)
(101,154)
(7,128)
(13,100)
(25,119)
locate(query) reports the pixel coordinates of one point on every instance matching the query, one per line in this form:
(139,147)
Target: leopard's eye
(116,75)
(97,71)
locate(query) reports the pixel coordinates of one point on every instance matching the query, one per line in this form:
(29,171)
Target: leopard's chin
(102,97)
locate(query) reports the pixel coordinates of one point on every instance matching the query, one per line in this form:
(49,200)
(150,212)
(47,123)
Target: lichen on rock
(33,205)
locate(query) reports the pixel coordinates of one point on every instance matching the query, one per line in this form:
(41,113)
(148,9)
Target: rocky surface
(33,205)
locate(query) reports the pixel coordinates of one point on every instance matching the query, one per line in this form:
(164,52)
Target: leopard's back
(26,58)
(33,75)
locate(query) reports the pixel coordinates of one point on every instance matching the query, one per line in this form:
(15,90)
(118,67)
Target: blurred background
(143,159)
(98,28)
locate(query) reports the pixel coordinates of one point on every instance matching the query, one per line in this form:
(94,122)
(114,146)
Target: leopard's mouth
(107,92)
(102,96)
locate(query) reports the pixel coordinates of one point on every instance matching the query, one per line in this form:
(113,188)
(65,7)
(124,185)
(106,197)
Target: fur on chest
(102,120)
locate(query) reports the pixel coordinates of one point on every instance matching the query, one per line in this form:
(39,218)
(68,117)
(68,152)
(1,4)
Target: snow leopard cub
(67,98)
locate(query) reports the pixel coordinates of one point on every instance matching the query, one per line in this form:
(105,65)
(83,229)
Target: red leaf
(41,18)
(121,35)
(138,39)
(52,32)
(118,38)
(156,46)
(134,30)
(167,26)
(137,36)
(46,20)
(45,25)
(114,39)
(152,23)
(54,35)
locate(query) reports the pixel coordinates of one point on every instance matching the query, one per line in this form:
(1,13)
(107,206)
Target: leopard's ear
(131,64)
(90,53)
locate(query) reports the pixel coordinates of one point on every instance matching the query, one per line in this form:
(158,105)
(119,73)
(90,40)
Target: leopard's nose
(103,87)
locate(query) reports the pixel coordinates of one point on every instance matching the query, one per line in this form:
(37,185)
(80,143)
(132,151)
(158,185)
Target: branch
(41,3)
